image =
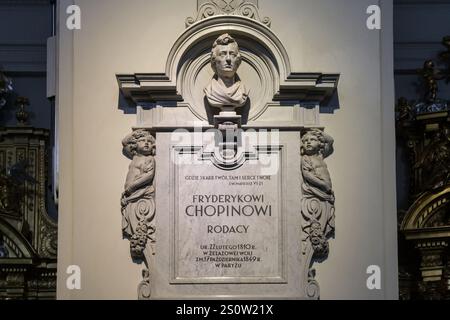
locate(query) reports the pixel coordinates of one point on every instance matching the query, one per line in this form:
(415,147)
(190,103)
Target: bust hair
(325,142)
(315,133)
(224,40)
(130,142)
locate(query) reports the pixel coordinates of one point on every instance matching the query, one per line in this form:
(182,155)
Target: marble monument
(228,194)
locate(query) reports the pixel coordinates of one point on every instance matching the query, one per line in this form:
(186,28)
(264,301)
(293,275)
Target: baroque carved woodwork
(5,89)
(424,129)
(28,235)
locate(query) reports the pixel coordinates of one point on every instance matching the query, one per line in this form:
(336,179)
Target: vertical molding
(51,67)
(390,268)
(64,116)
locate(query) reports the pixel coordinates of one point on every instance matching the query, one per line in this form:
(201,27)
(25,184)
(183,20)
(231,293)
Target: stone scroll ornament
(138,202)
(317,205)
(230,7)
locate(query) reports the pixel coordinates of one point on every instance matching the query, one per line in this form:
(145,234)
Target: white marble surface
(273,239)
(228,224)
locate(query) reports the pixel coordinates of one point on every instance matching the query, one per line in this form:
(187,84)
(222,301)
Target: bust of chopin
(226,91)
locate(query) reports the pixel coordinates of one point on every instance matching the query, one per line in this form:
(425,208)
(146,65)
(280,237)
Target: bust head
(225,57)
(313,142)
(140,142)
(316,142)
(226,91)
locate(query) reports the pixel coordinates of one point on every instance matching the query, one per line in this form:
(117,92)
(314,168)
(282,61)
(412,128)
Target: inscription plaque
(228,221)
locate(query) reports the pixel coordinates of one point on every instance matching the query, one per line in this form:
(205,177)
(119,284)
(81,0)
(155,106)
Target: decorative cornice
(228,7)
(308,87)
(428,234)
(148,88)
(155,87)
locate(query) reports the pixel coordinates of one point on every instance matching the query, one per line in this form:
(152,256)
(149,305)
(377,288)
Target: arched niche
(259,71)
(265,70)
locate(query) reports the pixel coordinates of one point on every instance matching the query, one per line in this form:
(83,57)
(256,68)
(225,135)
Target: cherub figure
(316,146)
(318,196)
(138,205)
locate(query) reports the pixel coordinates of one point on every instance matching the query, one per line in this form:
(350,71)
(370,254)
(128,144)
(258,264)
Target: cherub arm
(310,177)
(317,182)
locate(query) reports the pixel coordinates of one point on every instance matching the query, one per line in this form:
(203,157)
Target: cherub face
(311,144)
(144,146)
(227,60)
